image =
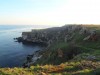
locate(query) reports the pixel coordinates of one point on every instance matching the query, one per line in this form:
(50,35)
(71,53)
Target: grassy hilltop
(73,50)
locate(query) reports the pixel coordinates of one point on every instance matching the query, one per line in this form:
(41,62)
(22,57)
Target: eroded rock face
(64,33)
(26,35)
(84,30)
(92,36)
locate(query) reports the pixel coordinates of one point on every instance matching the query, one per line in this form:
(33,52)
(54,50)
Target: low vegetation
(67,68)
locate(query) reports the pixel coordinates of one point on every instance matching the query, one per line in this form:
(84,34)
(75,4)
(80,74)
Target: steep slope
(72,45)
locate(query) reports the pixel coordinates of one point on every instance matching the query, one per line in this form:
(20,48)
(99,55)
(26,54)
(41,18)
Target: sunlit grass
(68,68)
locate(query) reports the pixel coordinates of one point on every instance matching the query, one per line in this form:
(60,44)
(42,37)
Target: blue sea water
(13,54)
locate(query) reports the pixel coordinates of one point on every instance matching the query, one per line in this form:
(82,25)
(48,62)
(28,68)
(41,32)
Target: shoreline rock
(31,59)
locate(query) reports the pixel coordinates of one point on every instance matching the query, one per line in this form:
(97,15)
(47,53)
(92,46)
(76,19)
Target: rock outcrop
(91,36)
(51,35)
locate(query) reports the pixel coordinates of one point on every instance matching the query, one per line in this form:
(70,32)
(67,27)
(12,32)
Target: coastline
(30,59)
(50,36)
(12,54)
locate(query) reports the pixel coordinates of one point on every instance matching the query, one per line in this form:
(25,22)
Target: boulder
(91,57)
(92,32)
(60,53)
(87,38)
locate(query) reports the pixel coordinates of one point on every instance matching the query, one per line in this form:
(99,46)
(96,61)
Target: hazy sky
(49,12)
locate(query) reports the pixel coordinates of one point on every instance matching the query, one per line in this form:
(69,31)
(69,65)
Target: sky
(49,12)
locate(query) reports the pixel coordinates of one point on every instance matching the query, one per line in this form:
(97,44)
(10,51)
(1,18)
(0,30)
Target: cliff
(66,42)
(51,35)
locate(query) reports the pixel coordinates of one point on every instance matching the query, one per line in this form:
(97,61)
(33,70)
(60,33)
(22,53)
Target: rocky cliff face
(65,33)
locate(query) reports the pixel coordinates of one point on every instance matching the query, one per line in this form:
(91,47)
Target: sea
(13,54)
